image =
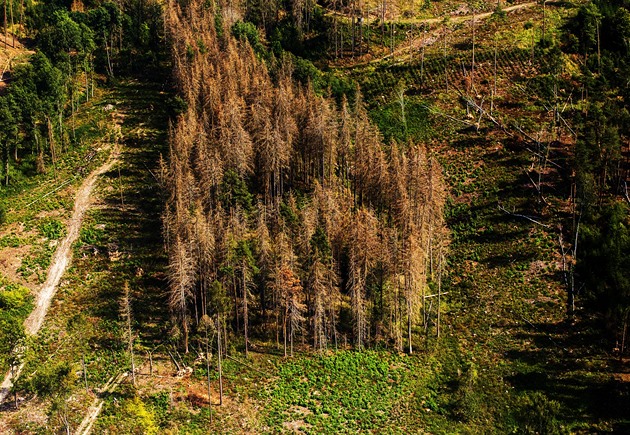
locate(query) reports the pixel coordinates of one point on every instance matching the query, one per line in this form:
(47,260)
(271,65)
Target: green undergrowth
(402,121)
(119,243)
(34,206)
(344,392)
(443,389)
(29,193)
(16,302)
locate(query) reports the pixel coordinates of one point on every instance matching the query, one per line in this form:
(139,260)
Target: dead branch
(503,209)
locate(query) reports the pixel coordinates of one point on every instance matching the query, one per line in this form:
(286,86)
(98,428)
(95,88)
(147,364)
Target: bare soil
(61,260)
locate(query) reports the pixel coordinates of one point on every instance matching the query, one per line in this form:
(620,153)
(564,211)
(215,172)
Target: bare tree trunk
(353,27)
(409,318)
(599,55)
(471,86)
(150,363)
(236,310)
(494,85)
(12,23)
(623,338)
(6,165)
(284,328)
(85,374)
(245,313)
(219,352)
(125,308)
(21,14)
(291,337)
(445,62)
(360,29)
(208,370)
(544,19)
(6,35)
(439,298)
(383,22)
(335,29)
(424,42)
(391,28)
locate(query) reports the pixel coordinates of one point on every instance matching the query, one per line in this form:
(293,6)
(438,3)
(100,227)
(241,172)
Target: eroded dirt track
(60,260)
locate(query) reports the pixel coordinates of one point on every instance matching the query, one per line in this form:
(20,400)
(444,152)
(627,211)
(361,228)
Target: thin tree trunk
(360,29)
(291,337)
(12,24)
(472,70)
(409,315)
(219,351)
(208,371)
(544,19)
(391,31)
(623,338)
(150,364)
(85,374)
(424,41)
(494,85)
(445,62)
(127,314)
(245,313)
(383,22)
(284,328)
(353,27)
(6,35)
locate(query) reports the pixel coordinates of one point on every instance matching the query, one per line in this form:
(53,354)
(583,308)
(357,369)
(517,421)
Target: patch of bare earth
(11,256)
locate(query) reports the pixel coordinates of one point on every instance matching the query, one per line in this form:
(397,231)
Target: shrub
(539,415)
(51,229)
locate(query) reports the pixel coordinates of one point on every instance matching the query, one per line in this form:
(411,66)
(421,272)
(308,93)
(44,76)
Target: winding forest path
(60,260)
(405,50)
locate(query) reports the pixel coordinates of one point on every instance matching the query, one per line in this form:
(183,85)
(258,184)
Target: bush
(15,300)
(539,415)
(499,14)
(51,229)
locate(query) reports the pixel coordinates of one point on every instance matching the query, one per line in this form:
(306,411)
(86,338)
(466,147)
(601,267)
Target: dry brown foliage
(290,201)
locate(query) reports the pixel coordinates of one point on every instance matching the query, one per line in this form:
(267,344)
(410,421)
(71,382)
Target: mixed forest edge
(324,216)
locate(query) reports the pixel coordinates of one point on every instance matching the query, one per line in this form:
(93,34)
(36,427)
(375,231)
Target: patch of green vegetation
(133,417)
(37,263)
(404,121)
(52,229)
(91,234)
(344,392)
(16,302)
(11,241)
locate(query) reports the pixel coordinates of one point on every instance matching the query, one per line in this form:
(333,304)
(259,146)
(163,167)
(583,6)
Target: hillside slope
(510,355)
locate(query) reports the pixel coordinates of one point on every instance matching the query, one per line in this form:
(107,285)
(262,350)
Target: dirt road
(60,260)
(403,51)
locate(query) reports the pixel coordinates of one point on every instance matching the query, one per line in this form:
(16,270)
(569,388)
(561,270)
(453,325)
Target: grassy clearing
(36,207)
(120,242)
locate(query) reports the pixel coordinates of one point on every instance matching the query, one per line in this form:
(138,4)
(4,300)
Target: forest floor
(61,259)
(421,39)
(121,224)
(508,356)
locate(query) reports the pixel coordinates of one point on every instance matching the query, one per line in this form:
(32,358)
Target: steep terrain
(510,354)
(60,260)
